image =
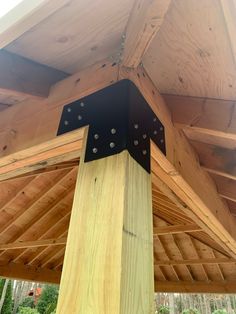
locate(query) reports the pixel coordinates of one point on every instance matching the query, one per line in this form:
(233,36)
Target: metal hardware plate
(119,118)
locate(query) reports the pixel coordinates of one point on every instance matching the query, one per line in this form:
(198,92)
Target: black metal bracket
(119,118)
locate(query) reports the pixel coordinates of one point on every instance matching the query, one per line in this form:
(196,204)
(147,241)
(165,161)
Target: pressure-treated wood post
(108,265)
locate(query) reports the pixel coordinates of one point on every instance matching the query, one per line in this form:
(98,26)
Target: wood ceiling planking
(38,207)
(92,32)
(191,54)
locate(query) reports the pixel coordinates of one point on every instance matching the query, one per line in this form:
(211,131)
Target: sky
(7,5)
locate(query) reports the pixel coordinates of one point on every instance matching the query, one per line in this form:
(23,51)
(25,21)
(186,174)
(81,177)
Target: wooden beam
(20,77)
(34,124)
(209,121)
(25,16)
(203,261)
(144,23)
(60,149)
(176,229)
(111,253)
(181,171)
(30,273)
(216,160)
(196,287)
(32,244)
(225,186)
(31,122)
(208,241)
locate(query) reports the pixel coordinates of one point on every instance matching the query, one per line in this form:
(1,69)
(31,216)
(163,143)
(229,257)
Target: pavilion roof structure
(182,55)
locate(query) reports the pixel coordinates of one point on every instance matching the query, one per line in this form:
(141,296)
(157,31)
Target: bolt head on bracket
(119,118)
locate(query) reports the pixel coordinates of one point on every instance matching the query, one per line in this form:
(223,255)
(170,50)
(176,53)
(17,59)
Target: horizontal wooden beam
(32,122)
(216,160)
(32,244)
(176,229)
(30,273)
(209,121)
(60,149)
(181,171)
(145,21)
(203,261)
(22,78)
(24,16)
(196,287)
(225,186)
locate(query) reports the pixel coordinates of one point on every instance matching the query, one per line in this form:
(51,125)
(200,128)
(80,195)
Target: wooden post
(108,265)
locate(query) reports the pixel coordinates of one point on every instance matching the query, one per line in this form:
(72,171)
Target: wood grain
(191,54)
(25,16)
(92,32)
(111,252)
(144,23)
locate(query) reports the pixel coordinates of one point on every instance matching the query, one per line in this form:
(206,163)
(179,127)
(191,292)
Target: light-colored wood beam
(203,261)
(216,160)
(176,229)
(196,287)
(111,253)
(181,171)
(30,273)
(25,16)
(226,187)
(144,23)
(31,123)
(22,78)
(183,208)
(59,149)
(32,244)
(209,121)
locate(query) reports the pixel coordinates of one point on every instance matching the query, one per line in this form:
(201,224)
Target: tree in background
(48,300)
(220,311)
(6,296)
(27,302)
(27,310)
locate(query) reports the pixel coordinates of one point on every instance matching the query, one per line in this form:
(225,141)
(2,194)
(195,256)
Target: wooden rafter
(145,21)
(176,229)
(200,261)
(196,287)
(181,167)
(216,160)
(209,121)
(32,244)
(205,204)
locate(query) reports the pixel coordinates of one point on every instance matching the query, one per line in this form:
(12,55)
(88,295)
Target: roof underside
(191,61)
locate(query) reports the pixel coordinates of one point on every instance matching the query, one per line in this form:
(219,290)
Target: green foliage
(220,311)
(7,304)
(27,310)
(51,308)
(48,299)
(163,310)
(190,311)
(27,302)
